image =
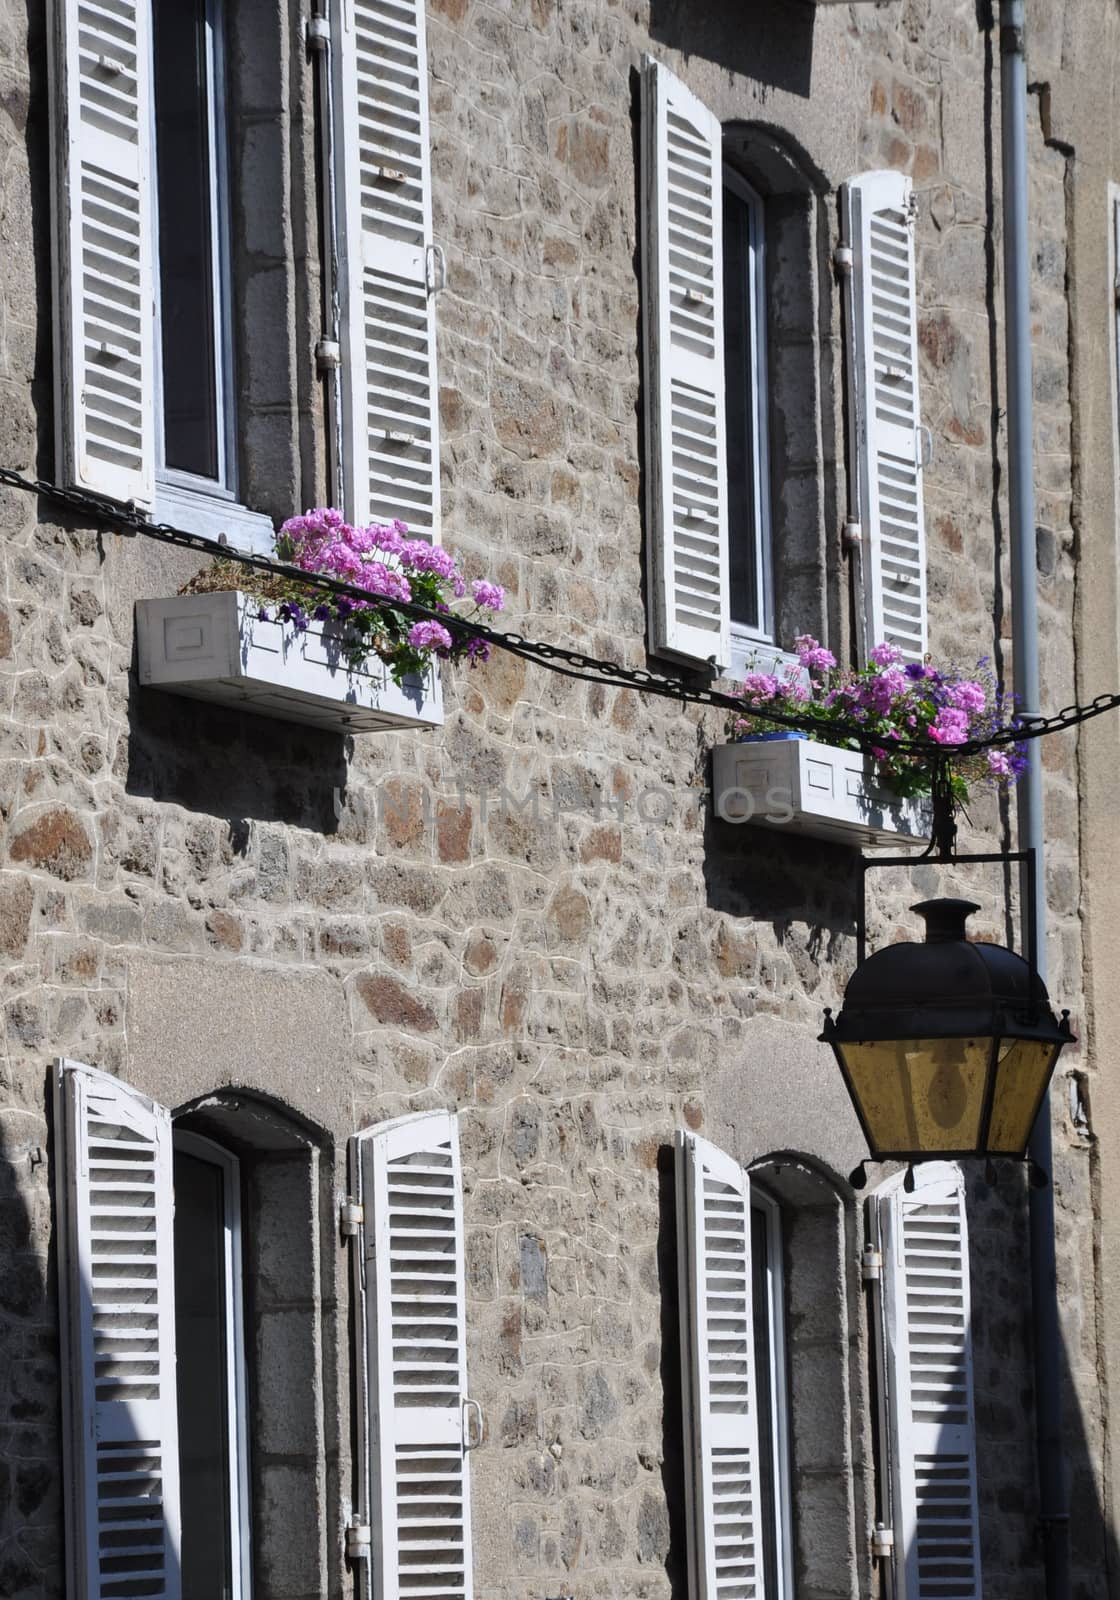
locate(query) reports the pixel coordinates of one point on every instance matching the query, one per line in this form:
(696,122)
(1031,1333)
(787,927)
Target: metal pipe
(1052,1488)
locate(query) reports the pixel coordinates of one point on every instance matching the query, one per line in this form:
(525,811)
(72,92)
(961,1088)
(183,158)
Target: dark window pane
(746,602)
(764,1400)
(186,243)
(201,1341)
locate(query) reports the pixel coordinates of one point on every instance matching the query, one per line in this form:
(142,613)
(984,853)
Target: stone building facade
(530,916)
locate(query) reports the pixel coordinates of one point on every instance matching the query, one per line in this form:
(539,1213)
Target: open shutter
(101,135)
(117,1308)
(878,226)
(682,313)
(414,1357)
(928,1385)
(387,262)
(717,1343)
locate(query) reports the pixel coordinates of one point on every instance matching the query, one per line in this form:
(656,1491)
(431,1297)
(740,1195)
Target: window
(194,354)
(210,1371)
(179,1413)
(746,390)
(739,514)
(771,1388)
(212,405)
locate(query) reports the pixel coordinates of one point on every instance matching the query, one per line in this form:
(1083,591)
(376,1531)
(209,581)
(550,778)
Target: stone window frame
(291,1315)
(798,400)
(827,1450)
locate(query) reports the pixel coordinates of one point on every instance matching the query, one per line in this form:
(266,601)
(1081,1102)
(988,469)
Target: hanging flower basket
(868,791)
(288,650)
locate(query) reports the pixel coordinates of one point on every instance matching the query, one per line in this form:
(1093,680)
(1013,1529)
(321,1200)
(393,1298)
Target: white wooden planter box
(215,647)
(815,789)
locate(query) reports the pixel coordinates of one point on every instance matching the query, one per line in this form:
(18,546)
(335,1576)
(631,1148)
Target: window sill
(817,790)
(758,655)
(216,647)
(210,514)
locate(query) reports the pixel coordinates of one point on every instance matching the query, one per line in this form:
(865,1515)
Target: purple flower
(915,670)
(477,650)
(951,726)
(429,635)
(812,654)
(490,595)
(885,655)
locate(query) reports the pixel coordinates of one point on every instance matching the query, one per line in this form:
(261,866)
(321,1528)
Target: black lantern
(946,1047)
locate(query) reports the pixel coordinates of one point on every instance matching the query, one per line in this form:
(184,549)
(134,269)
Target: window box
(815,789)
(216,647)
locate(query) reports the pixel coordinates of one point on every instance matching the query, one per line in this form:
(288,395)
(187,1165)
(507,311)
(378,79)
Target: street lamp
(946,1047)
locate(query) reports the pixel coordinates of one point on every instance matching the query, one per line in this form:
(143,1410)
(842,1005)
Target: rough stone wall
(582,978)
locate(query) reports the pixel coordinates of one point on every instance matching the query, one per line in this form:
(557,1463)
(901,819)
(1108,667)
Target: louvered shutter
(117,1310)
(878,226)
(717,1345)
(414,1357)
(390,415)
(928,1385)
(104,371)
(682,313)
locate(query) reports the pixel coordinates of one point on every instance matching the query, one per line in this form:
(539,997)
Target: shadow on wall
(1011,1545)
(762,874)
(31,1532)
(772,45)
(233,764)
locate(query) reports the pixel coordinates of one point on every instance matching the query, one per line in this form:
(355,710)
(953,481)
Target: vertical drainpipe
(1053,1493)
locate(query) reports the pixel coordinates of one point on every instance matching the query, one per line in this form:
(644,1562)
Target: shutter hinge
(912,209)
(882,1543)
(318,32)
(359,1540)
(1116,288)
(843,259)
(871,1264)
(351,1217)
(435,268)
(851,536)
(328,355)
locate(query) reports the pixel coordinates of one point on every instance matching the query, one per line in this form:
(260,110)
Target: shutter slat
(883,365)
(928,1384)
(682,255)
(414,1353)
(103,272)
(717,1338)
(388,313)
(119,1352)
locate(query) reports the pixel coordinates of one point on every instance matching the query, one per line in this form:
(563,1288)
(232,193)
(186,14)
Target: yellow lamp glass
(920,1094)
(1022,1073)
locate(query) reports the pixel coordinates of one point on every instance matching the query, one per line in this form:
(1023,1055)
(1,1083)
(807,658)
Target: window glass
(770,1391)
(744,370)
(204,1336)
(187,208)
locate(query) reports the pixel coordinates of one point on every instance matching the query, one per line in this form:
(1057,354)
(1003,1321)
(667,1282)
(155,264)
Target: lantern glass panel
(920,1094)
(1022,1074)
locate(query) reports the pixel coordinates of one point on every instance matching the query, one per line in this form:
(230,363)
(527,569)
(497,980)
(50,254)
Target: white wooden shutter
(682,313)
(928,1385)
(878,225)
(718,1381)
(386,267)
(101,134)
(117,1308)
(414,1357)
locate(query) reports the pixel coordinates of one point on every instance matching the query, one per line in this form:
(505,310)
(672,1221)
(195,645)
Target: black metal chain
(555,658)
